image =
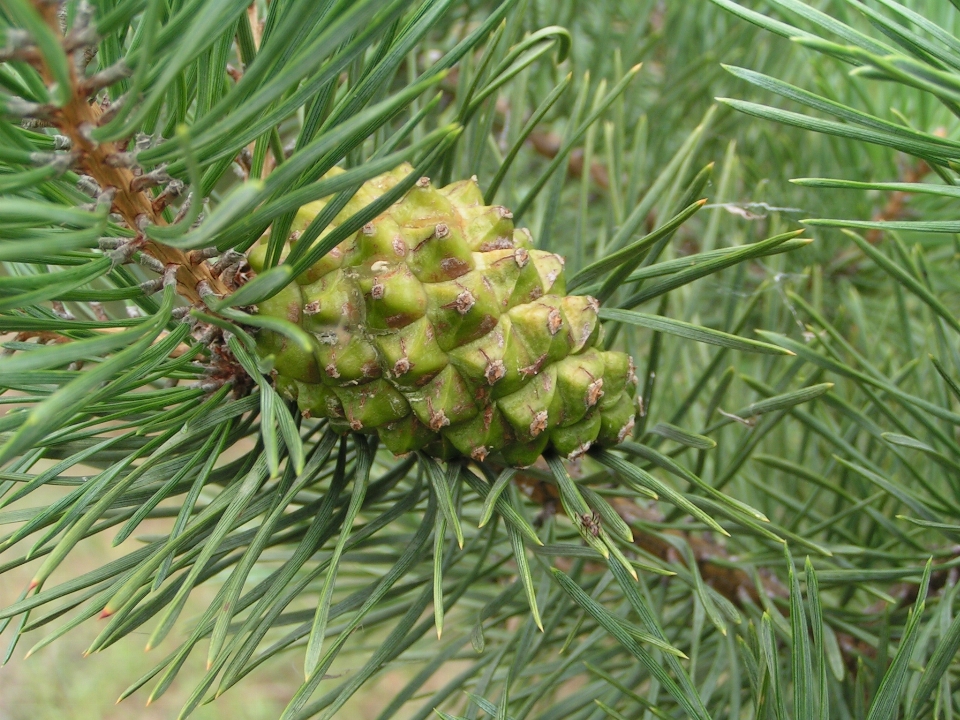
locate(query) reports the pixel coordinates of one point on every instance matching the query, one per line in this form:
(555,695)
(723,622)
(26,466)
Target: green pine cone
(439,327)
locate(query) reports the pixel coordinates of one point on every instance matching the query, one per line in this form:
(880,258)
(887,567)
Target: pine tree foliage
(776,539)
(899,93)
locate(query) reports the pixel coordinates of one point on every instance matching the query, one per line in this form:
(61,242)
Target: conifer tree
(422,334)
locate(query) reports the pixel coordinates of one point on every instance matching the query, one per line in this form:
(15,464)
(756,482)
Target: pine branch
(866,486)
(731,582)
(105,163)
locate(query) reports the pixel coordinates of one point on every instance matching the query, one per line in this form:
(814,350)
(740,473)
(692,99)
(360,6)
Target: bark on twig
(74,120)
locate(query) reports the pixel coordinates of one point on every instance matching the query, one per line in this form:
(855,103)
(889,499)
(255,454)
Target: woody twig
(99,160)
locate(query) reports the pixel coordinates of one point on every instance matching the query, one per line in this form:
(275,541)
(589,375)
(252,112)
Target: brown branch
(74,120)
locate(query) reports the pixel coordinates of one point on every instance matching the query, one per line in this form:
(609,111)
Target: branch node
(24,109)
(151,179)
(82,35)
(64,161)
(195,257)
(149,287)
(86,132)
(106,77)
(109,109)
(230,274)
(170,275)
(230,258)
(151,263)
(79,38)
(121,160)
(204,290)
(125,251)
(184,208)
(88,185)
(106,197)
(209,335)
(142,141)
(172,191)
(42,158)
(19,46)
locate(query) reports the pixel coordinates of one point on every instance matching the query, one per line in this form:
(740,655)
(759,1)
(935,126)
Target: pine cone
(439,327)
